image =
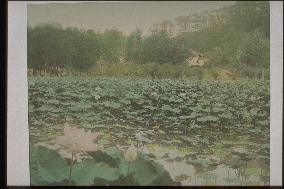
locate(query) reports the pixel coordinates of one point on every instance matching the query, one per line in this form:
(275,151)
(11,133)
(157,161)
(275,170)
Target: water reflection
(190,174)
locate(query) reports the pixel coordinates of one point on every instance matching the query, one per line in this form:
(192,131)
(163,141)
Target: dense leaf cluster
(187,106)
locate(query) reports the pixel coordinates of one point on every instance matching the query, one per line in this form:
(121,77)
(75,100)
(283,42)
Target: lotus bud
(119,147)
(131,153)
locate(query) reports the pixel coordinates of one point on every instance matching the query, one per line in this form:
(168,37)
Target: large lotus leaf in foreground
(106,167)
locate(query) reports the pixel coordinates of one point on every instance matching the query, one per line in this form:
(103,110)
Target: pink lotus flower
(77,140)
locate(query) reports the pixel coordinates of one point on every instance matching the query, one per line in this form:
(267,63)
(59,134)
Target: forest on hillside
(234,38)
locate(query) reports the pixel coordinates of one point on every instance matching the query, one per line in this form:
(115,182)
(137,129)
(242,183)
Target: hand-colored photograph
(145,93)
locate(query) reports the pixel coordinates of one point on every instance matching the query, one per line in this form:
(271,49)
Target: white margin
(276,91)
(17,97)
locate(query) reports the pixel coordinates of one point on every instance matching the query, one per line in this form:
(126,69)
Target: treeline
(234,37)
(51,49)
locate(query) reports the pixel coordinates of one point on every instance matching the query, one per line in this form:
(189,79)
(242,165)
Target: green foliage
(201,115)
(154,70)
(134,47)
(234,37)
(208,118)
(86,52)
(173,104)
(248,16)
(106,167)
(113,43)
(254,50)
(160,48)
(51,48)
(47,166)
(237,38)
(87,171)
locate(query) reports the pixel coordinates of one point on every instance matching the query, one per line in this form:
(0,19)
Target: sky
(124,16)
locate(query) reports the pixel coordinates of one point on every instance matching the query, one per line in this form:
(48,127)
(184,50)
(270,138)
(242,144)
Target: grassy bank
(152,70)
(162,71)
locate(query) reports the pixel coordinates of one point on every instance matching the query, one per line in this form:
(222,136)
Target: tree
(254,51)
(183,23)
(165,26)
(113,43)
(86,50)
(51,48)
(134,46)
(250,15)
(160,48)
(45,48)
(31,55)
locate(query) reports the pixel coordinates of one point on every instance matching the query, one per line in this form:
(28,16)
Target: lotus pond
(188,132)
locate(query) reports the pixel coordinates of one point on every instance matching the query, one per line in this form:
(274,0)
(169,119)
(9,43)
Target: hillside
(233,38)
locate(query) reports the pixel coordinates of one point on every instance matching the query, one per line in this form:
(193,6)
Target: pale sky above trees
(123,16)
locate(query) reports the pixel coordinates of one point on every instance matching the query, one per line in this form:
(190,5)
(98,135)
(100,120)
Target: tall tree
(113,42)
(161,48)
(134,47)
